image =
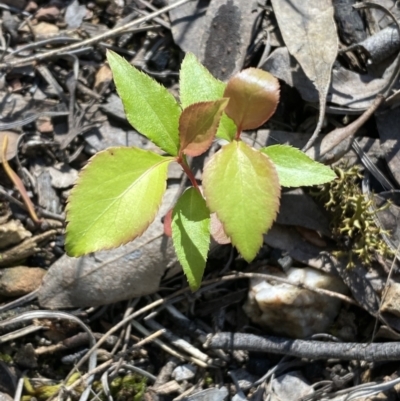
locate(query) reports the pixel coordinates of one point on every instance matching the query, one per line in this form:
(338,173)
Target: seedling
(118,193)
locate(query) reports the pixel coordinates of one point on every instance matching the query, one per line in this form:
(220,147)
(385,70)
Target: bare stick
(371,352)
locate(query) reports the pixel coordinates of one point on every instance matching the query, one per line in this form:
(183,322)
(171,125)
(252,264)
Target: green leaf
(295,168)
(116,197)
(242,187)
(191,235)
(196,84)
(253,98)
(198,124)
(227,128)
(149,107)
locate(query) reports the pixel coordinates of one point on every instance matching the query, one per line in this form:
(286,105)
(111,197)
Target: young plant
(120,190)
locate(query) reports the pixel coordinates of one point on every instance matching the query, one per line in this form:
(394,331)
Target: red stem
(181,160)
(238,133)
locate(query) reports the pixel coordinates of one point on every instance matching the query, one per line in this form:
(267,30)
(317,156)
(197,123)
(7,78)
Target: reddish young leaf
(198,125)
(217,231)
(167,223)
(253,97)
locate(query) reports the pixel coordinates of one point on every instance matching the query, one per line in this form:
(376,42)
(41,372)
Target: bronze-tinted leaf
(253,97)
(198,125)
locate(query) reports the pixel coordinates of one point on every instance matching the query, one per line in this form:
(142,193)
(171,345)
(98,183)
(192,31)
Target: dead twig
(371,352)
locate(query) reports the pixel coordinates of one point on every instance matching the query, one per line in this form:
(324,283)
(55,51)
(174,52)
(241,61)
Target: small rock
(12,232)
(5,397)
(243,378)
(20,280)
(63,176)
(26,357)
(49,13)
(31,7)
(289,387)
(45,125)
(184,372)
(291,311)
(45,29)
(391,302)
(75,14)
(210,394)
(240,396)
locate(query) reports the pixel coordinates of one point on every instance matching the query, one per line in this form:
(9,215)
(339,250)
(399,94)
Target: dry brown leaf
(103,78)
(218,32)
(104,277)
(12,146)
(309,31)
(348,88)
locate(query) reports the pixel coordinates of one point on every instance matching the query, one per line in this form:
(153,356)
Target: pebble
(291,311)
(5,397)
(210,394)
(20,280)
(184,372)
(45,29)
(26,357)
(289,387)
(391,301)
(12,232)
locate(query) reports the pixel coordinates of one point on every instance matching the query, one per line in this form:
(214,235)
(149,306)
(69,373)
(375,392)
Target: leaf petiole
(183,163)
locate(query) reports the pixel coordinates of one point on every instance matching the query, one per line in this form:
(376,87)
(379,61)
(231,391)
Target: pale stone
(12,233)
(20,280)
(184,372)
(391,302)
(45,29)
(291,311)
(289,387)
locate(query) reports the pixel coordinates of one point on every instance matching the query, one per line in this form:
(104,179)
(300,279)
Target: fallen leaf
(348,88)
(103,78)
(12,146)
(228,29)
(218,35)
(309,31)
(105,277)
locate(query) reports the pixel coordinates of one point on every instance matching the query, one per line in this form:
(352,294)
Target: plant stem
(182,161)
(238,133)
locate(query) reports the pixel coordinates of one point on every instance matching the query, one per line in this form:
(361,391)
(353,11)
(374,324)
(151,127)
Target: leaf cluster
(120,190)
